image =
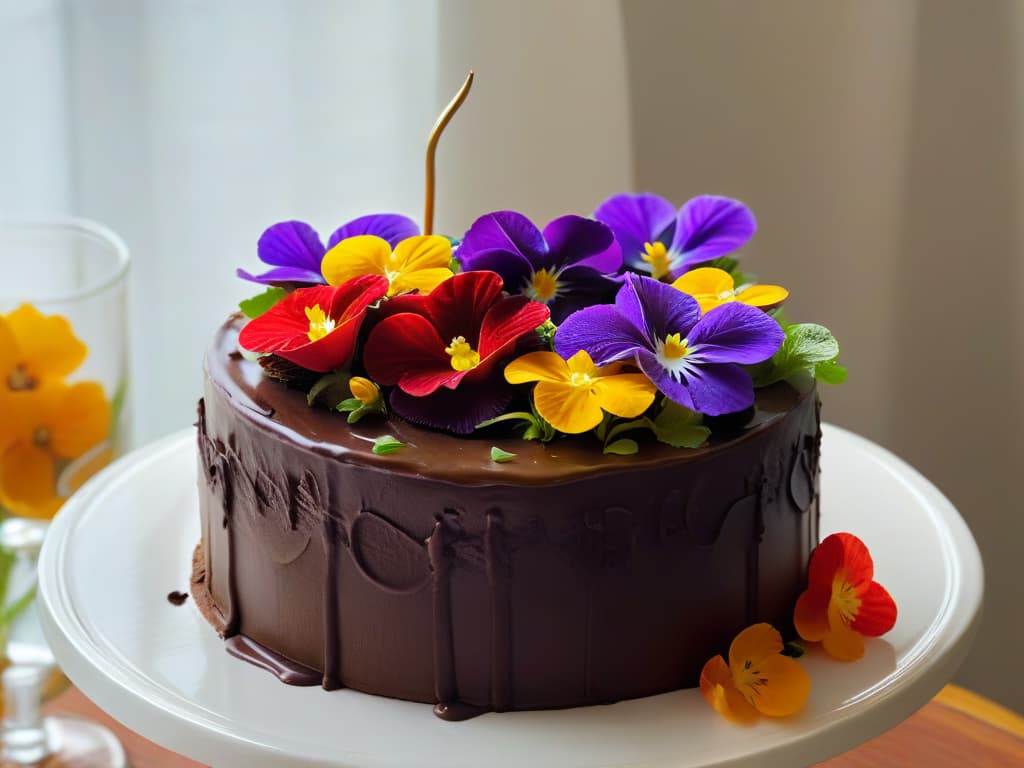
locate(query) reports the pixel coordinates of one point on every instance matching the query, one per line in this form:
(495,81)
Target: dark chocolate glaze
(563,578)
(177,598)
(285,670)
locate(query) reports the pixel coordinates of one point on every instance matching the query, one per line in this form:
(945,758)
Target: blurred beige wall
(879,145)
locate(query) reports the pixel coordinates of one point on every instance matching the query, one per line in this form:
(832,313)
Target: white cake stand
(125,541)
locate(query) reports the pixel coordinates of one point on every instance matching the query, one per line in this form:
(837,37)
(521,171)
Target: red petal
(877,613)
(406,350)
(353,297)
(458,305)
(507,320)
(860,568)
(826,559)
(332,351)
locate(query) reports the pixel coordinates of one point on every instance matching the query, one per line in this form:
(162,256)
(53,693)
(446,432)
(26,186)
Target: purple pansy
(659,241)
(570,264)
(295,250)
(695,361)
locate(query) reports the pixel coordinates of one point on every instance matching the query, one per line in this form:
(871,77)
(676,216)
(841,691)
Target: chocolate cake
(564,578)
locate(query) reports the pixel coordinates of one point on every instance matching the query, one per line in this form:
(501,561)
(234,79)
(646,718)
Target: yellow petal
(782,687)
(28,482)
(626,395)
(80,421)
(763,295)
(810,616)
(355,256)
(47,344)
(9,353)
(753,644)
(707,285)
(537,366)
(581,362)
(718,689)
(841,642)
(567,408)
(422,280)
(422,252)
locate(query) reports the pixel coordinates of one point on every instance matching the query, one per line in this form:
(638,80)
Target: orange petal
(766,296)
(28,481)
(354,256)
(782,686)
(9,353)
(860,569)
(626,395)
(718,689)
(567,408)
(80,421)
(753,644)
(877,612)
(811,615)
(841,642)
(537,366)
(47,343)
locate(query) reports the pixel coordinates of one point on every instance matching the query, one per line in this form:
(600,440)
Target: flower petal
(674,389)
(602,331)
(764,296)
(457,306)
(537,366)
(583,243)
(735,333)
(810,616)
(706,285)
(291,244)
(80,421)
(657,307)
(406,350)
(423,252)
(877,612)
(422,280)
(783,688)
(359,255)
(635,220)
(841,642)
(506,232)
(718,689)
(387,226)
(455,410)
(280,275)
(856,560)
(508,320)
(718,388)
(28,481)
(626,394)
(47,343)
(567,408)
(710,226)
(755,643)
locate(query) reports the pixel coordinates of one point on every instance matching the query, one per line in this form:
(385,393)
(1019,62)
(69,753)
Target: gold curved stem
(435,136)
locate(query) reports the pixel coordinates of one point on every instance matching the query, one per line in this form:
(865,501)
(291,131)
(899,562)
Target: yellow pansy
(712,287)
(419,263)
(35,347)
(573,394)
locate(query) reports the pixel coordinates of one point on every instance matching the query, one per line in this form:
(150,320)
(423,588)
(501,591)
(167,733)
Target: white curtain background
(877,142)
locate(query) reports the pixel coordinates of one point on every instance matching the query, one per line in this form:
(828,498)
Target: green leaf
(501,456)
(260,303)
(386,444)
(830,372)
(350,404)
(628,426)
(15,609)
(794,649)
(547,334)
(680,427)
(623,447)
(806,346)
(325,382)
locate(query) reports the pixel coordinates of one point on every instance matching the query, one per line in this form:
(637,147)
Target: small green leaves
(622,447)
(501,456)
(680,427)
(260,303)
(535,427)
(794,649)
(386,444)
(547,334)
(357,409)
(808,349)
(328,388)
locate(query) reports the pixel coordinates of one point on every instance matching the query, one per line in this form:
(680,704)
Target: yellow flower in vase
(35,348)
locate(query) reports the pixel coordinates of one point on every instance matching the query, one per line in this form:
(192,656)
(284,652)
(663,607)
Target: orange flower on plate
(50,424)
(757,680)
(35,348)
(843,603)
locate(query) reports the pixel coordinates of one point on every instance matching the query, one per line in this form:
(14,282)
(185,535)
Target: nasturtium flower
(444,350)
(572,395)
(569,265)
(35,348)
(315,328)
(419,263)
(295,251)
(712,287)
(694,360)
(53,423)
(657,240)
(757,679)
(842,602)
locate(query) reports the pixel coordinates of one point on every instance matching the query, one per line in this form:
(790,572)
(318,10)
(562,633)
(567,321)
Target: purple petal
(708,227)
(514,269)
(280,275)
(504,231)
(657,307)
(454,410)
(291,244)
(635,220)
(388,226)
(674,389)
(716,389)
(583,242)
(602,331)
(735,333)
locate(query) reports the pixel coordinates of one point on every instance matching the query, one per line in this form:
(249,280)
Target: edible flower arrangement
(636,320)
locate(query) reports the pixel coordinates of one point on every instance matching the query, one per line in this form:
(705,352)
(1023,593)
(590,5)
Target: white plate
(126,540)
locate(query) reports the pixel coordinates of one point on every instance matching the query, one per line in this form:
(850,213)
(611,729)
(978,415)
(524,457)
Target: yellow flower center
(657,256)
(543,286)
(581,379)
(844,597)
(748,680)
(19,379)
(675,347)
(464,357)
(41,437)
(319,323)
(727,296)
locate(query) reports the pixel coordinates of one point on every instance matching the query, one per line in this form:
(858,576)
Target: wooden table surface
(956,729)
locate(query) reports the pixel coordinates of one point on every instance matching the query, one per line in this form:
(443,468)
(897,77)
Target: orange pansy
(35,347)
(757,679)
(842,602)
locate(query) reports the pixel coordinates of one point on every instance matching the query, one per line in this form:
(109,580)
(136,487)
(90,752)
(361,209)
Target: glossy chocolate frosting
(562,578)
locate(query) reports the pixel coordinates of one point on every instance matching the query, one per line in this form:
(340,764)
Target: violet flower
(571,264)
(657,240)
(694,361)
(295,251)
